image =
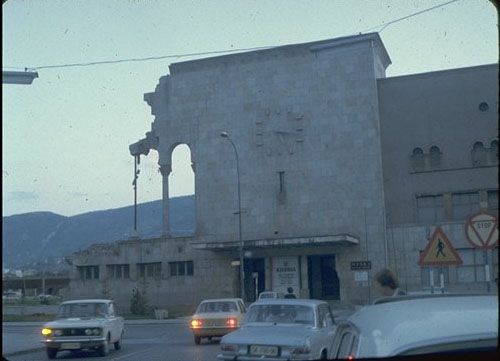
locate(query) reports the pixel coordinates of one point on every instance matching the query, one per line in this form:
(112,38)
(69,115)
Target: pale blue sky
(66,136)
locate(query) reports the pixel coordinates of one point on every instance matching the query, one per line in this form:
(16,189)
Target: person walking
(388,283)
(290,293)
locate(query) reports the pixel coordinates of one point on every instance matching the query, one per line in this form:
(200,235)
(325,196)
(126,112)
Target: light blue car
(282,329)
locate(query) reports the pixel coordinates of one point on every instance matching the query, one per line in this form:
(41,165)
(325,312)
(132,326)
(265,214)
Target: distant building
(342,171)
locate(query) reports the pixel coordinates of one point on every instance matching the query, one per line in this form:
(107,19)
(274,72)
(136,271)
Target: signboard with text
(361,265)
(286,274)
(481,230)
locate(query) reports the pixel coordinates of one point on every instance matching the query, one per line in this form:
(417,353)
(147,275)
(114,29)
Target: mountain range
(39,239)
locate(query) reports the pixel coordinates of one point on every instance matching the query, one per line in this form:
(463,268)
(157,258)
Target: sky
(65,137)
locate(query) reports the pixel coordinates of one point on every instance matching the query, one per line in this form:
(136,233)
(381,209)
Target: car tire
(104,349)
(118,344)
(51,352)
(323,355)
(197,340)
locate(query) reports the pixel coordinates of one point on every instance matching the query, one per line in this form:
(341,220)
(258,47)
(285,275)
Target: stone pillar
(165,170)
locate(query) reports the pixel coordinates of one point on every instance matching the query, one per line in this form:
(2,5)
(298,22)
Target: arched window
(494,151)
(478,154)
(435,156)
(417,160)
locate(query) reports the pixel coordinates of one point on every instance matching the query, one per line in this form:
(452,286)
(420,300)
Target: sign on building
(286,274)
(481,230)
(439,251)
(361,265)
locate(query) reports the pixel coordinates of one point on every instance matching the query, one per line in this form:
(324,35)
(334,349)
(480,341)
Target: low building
(341,172)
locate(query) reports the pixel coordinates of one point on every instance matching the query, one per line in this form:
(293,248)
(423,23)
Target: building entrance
(323,280)
(255,278)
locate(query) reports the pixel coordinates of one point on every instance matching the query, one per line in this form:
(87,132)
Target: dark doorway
(323,280)
(255,278)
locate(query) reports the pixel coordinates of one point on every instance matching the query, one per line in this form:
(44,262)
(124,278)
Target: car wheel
(197,339)
(323,355)
(51,352)
(104,349)
(118,344)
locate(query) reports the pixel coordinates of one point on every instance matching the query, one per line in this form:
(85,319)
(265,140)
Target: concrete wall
(437,108)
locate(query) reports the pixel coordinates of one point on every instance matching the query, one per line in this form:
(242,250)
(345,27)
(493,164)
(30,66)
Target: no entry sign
(481,230)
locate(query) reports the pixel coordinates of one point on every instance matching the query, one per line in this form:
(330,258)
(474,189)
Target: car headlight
(88,331)
(96,331)
(46,331)
(58,333)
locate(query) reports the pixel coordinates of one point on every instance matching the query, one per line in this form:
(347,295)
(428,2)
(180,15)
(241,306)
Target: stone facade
(324,145)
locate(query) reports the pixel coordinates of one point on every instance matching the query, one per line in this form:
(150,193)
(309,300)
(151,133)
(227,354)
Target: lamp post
(242,273)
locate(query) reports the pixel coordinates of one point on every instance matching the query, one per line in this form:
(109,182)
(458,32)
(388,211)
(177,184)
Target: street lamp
(18,77)
(242,273)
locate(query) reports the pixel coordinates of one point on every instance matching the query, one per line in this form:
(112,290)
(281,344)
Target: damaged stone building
(342,172)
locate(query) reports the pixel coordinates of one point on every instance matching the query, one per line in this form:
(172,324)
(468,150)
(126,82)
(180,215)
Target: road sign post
(481,231)
(439,252)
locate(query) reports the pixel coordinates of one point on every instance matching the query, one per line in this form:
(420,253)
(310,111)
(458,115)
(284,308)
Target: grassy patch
(27,318)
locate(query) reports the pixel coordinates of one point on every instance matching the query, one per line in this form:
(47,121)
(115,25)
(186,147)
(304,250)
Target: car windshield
(267,295)
(286,314)
(82,310)
(218,306)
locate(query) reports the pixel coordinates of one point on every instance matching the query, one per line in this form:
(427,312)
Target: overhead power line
(384,25)
(59,66)
(145,59)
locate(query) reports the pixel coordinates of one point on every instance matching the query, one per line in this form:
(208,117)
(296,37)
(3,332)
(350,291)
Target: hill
(30,239)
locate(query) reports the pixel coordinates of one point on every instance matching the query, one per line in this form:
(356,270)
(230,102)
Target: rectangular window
(118,270)
(430,209)
(493,201)
(173,268)
(88,272)
(472,268)
(184,268)
(149,270)
(464,204)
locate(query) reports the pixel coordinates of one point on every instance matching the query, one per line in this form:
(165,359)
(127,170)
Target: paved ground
(16,340)
(24,337)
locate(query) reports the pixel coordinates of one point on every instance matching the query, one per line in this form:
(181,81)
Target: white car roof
(93,300)
(222,300)
(391,327)
(294,301)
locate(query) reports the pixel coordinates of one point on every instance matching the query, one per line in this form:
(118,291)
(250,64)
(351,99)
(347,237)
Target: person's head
(290,289)
(387,281)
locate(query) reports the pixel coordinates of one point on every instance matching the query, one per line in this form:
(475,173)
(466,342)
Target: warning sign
(439,251)
(481,230)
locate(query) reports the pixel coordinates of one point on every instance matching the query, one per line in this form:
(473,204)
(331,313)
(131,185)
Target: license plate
(70,346)
(264,350)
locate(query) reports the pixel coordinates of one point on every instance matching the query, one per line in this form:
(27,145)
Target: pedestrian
(290,293)
(388,283)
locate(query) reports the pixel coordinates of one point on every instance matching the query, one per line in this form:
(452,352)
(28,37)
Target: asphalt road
(142,342)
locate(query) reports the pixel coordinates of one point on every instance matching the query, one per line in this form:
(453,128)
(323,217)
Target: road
(145,342)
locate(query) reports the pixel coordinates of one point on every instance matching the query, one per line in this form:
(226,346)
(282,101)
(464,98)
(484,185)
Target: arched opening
(181,190)
(435,156)
(478,154)
(494,151)
(417,159)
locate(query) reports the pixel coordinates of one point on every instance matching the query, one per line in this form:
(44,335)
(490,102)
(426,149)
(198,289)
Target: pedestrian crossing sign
(439,251)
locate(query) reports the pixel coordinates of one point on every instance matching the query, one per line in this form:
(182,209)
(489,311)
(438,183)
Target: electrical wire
(145,59)
(383,25)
